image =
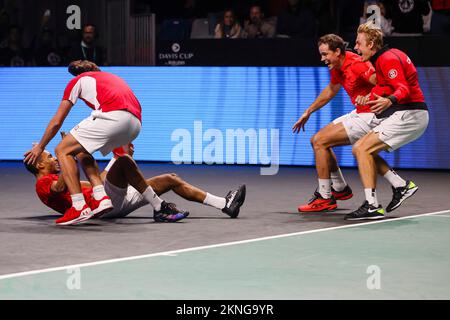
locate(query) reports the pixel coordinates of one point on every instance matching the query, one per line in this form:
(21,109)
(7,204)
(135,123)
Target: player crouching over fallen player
(128,189)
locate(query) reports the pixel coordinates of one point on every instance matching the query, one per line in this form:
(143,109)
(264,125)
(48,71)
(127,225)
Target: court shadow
(38,218)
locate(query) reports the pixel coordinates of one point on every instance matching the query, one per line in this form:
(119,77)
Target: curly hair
(79,66)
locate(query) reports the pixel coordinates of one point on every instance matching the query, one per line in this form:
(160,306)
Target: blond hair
(373,34)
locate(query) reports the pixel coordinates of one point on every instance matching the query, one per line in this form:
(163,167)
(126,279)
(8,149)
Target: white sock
(110,164)
(371,196)
(214,201)
(99,192)
(78,201)
(338,181)
(325,188)
(150,195)
(394,179)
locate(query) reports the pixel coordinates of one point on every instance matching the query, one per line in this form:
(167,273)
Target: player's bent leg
(401,189)
(65,151)
(125,172)
(80,210)
(364,150)
(332,135)
(324,199)
(229,204)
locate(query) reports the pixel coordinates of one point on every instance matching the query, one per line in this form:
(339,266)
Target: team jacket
(396,73)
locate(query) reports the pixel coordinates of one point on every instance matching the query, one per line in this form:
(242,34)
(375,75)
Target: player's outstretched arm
(324,97)
(53,127)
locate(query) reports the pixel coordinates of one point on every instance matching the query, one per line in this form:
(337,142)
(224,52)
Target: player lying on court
(115,121)
(126,186)
(357,78)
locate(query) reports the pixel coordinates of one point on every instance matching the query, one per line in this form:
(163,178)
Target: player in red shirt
(358,78)
(403,112)
(115,121)
(125,185)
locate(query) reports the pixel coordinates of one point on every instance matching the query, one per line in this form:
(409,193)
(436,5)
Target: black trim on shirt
(374,58)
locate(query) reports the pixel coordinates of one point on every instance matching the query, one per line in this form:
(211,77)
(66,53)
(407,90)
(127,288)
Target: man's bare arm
(324,97)
(54,125)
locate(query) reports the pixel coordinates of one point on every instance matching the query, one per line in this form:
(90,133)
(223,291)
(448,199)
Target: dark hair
(333,41)
(31,168)
(15,26)
(89,25)
(79,66)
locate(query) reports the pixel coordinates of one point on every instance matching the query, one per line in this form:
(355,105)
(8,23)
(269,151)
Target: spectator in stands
(257,27)
(228,28)
(407,15)
(46,52)
(4,23)
(297,20)
(440,20)
(88,49)
(14,54)
(385,24)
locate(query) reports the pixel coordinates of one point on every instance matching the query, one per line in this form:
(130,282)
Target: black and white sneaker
(234,200)
(366,212)
(401,194)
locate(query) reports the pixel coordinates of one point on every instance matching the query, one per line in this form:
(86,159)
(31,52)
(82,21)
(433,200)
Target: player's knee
(318,141)
(59,150)
(174,179)
(358,149)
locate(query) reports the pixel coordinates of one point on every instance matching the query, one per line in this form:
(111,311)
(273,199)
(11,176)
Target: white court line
(175,252)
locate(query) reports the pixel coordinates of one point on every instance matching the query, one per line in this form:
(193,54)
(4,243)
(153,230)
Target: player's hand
(300,124)
(362,100)
(32,155)
(380,104)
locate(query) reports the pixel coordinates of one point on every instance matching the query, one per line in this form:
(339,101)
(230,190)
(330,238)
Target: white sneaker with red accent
(100,207)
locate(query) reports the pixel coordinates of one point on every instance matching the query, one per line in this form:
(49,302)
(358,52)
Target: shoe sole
(186,214)
(78,220)
(365,218)
(104,207)
(413,191)
(240,202)
(332,208)
(344,197)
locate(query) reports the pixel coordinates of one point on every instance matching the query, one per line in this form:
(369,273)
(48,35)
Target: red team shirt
(396,73)
(103,91)
(354,76)
(58,201)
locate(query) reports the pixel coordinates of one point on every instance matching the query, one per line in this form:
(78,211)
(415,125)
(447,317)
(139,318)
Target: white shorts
(104,131)
(357,125)
(124,201)
(402,127)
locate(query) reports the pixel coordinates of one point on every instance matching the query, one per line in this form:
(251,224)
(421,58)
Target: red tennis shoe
(318,203)
(74,216)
